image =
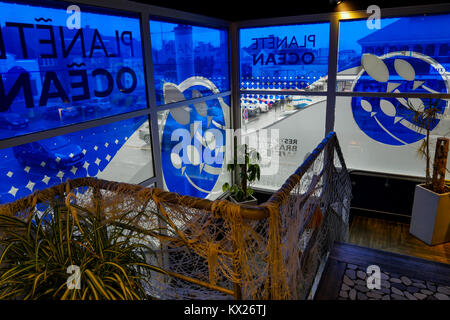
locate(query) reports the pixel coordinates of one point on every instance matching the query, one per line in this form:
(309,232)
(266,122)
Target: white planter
(430,220)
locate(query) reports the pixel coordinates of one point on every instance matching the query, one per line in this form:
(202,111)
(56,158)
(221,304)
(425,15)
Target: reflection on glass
(290,58)
(113,152)
(193,142)
(299,122)
(408,54)
(260,111)
(184,54)
(52,76)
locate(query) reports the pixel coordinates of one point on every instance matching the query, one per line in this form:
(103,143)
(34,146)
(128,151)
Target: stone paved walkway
(393,287)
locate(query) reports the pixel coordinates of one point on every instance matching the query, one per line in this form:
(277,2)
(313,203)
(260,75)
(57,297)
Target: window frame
(334,18)
(146,12)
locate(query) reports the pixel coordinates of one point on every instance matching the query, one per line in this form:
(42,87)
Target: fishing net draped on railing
(218,249)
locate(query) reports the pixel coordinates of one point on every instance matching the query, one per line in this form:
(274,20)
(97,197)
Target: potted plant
(430,219)
(249,172)
(40,253)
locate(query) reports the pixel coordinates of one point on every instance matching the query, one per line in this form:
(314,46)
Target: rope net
(218,249)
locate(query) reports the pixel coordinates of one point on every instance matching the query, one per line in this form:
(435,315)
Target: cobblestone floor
(393,287)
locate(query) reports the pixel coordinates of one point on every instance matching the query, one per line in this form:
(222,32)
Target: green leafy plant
(249,172)
(37,251)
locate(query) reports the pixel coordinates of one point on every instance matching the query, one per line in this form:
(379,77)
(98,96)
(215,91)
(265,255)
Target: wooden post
(440,165)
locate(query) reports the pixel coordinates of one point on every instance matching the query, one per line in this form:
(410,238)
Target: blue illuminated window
(407,54)
(184,55)
(116,151)
(53,75)
(293,57)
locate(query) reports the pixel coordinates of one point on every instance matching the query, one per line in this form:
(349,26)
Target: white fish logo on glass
(391,120)
(193,138)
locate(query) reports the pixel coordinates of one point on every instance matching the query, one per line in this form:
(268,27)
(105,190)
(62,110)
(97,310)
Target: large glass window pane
(55,73)
(381,135)
(260,111)
(290,127)
(193,144)
(114,151)
(291,58)
(408,54)
(188,61)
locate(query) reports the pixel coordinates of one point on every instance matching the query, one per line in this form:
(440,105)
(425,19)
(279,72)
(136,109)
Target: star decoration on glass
(60,174)
(30,185)
(46,179)
(13,191)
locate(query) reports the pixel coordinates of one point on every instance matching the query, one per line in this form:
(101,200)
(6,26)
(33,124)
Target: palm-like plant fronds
(37,251)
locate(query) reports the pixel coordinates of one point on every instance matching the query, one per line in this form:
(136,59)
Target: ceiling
(238,10)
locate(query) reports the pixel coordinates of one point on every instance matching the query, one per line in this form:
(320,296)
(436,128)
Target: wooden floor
(394,237)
